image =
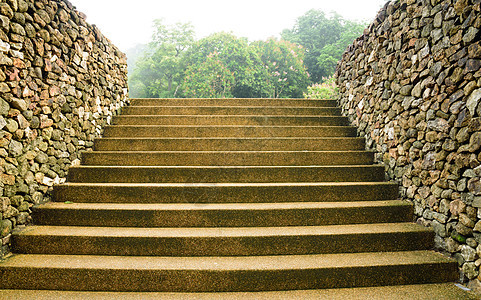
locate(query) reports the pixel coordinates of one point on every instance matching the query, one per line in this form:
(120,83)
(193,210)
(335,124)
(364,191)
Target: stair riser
(222,194)
(217,281)
(220,131)
(223,246)
(226,175)
(338,144)
(222,218)
(230,120)
(235,102)
(226,158)
(232,111)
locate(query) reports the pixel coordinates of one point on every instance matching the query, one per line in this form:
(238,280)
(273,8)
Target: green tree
(283,60)
(159,72)
(325,39)
(332,53)
(210,79)
(250,77)
(134,54)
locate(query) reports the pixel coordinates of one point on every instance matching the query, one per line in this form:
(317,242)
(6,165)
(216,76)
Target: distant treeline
(174,64)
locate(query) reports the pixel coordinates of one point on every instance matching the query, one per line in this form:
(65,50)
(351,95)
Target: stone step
(228,131)
(225,174)
(209,274)
(439,291)
(224,192)
(228,144)
(226,158)
(233,102)
(222,214)
(230,120)
(231,110)
(217,195)
(222,241)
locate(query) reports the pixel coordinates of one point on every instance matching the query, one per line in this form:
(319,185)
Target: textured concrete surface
(236,110)
(446,291)
(233,241)
(210,273)
(229,144)
(229,120)
(225,174)
(227,131)
(233,102)
(226,158)
(224,192)
(222,214)
(189,220)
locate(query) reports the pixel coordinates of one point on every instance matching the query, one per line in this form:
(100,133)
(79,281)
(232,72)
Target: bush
(327,90)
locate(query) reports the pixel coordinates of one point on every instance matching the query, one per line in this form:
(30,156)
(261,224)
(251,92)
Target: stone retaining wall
(412,84)
(61,81)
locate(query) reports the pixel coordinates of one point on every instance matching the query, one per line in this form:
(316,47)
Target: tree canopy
(325,38)
(284,62)
(174,64)
(237,57)
(158,73)
(209,78)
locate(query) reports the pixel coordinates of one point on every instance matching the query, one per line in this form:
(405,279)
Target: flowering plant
(327,90)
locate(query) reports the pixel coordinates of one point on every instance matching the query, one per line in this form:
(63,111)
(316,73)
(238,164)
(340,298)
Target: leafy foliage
(325,39)
(287,75)
(209,79)
(261,69)
(134,54)
(238,57)
(159,72)
(327,90)
(223,65)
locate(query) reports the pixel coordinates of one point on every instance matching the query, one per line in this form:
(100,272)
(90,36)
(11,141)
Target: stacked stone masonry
(61,81)
(412,85)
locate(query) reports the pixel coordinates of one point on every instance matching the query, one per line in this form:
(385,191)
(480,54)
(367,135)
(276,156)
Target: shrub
(327,90)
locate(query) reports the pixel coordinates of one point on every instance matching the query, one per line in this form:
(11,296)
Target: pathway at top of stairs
(269,197)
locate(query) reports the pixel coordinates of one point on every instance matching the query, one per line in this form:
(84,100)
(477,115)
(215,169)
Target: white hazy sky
(129,22)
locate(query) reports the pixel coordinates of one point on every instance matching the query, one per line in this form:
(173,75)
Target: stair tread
(237,151)
(231,111)
(234,126)
(213,130)
(236,100)
(230,263)
(235,107)
(193,119)
(225,192)
(233,173)
(227,167)
(228,107)
(234,138)
(222,214)
(442,291)
(221,206)
(223,232)
(210,185)
(233,116)
(238,158)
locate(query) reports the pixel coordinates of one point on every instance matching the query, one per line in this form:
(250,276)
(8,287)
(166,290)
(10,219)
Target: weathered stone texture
(61,81)
(412,84)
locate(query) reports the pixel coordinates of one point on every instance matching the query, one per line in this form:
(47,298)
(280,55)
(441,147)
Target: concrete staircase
(225,195)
